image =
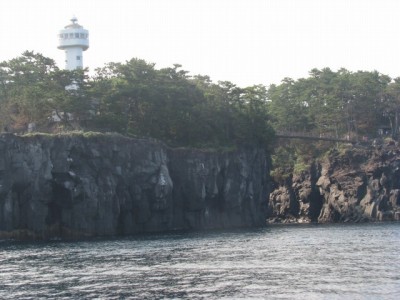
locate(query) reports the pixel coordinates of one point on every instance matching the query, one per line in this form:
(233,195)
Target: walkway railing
(312,136)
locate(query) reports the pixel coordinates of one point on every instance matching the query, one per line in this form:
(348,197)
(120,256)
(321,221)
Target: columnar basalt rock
(98,185)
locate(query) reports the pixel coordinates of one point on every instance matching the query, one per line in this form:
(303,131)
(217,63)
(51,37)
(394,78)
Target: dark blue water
(292,262)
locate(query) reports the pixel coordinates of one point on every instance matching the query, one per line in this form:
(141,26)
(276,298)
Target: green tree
(168,104)
(390,106)
(32,87)
(287,106)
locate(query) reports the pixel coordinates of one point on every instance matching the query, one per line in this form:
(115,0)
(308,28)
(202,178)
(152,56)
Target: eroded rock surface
(75,186)
(354,185)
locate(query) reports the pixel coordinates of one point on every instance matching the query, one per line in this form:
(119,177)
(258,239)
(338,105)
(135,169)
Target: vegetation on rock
(136,99)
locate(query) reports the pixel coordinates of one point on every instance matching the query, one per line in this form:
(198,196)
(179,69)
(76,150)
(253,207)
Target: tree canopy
(339,104)
(32,87)
(134,98)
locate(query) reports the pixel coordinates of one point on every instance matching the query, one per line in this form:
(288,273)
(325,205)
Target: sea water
(276,262)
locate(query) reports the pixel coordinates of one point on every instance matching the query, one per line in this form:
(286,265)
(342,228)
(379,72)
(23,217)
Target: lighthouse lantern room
(73,39)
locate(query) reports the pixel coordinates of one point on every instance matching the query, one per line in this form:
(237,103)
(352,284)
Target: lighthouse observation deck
(73,35)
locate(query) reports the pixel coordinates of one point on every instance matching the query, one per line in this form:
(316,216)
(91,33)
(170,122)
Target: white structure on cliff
(73,39)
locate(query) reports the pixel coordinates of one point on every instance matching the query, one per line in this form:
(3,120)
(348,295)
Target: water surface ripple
(302,262)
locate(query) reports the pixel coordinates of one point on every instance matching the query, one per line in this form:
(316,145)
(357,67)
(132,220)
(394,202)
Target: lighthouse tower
(73,39)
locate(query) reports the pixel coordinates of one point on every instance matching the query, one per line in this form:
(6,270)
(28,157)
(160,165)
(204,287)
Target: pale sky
(244,41)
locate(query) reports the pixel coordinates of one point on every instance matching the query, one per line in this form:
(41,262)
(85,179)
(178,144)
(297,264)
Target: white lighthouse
(73,39)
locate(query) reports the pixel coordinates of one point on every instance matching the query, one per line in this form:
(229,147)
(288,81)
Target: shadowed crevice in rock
(316,199)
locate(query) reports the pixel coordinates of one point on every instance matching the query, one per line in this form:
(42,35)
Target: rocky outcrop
(97,185)
(297,200)
(352,185)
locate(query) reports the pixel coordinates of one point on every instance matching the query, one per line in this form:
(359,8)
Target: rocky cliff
(355,184)
(97,185)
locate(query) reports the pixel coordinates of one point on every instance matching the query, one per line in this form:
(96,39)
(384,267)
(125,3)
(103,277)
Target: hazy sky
(243,41)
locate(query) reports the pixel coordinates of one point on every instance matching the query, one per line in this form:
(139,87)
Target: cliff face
(108,185)
(359,184)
